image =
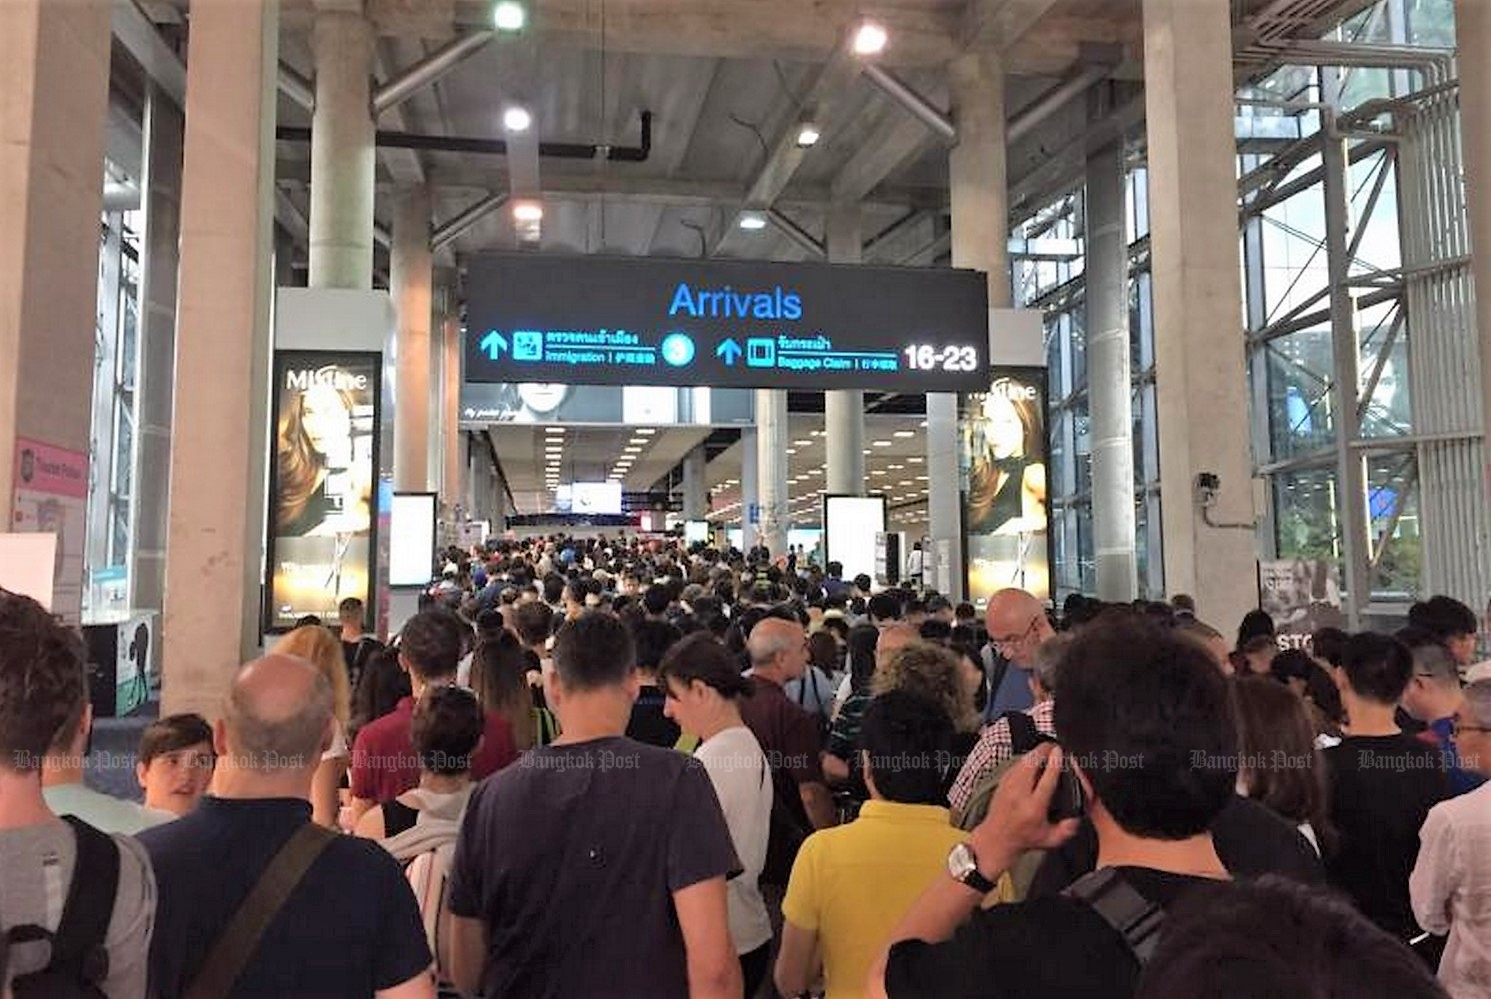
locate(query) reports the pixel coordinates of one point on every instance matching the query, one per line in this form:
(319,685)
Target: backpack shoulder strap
(1024,736)
(79,945)
(231,952)
(1136,918)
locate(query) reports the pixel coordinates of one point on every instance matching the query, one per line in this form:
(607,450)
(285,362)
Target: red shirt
(384,764)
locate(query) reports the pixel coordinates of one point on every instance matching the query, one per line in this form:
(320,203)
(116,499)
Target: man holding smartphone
(1144,723)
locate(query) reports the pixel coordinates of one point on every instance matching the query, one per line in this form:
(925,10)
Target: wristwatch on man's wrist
(962,865)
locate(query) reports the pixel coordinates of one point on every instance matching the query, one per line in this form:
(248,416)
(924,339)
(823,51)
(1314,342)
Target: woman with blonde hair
(934,672)
(319,647)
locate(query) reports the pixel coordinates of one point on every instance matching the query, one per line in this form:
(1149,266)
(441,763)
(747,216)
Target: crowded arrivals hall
(745,499)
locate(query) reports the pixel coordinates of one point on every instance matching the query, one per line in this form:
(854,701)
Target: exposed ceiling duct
(498,147)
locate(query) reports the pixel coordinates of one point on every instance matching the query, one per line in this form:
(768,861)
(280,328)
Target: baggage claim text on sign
(727,324)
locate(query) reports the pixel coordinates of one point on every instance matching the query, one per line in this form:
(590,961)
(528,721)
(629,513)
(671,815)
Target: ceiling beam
(999,24)
(897,141)
(831,82)
(403,165)
(672,160)
(137,33)
(428,70)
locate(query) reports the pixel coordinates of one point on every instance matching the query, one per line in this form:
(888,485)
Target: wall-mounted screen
(696,532)
(735,323)
(595,497)
(411,539)
(850,524)
(322,474)
(1002,464)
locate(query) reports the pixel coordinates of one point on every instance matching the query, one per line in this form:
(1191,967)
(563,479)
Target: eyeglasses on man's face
(1003,642)
(1457,727)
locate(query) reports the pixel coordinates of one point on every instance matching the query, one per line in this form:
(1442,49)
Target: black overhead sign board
(738,324)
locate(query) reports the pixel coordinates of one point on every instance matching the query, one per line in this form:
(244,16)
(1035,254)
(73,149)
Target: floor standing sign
(51,497)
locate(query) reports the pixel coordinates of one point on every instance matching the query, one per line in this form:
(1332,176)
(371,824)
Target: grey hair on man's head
(264,732)
(1434,662)
(1047,661)
(1478,701)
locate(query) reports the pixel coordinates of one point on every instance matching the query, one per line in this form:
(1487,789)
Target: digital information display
(1002,463)
(411,539)
(850,524)
(737,324)
(321,479)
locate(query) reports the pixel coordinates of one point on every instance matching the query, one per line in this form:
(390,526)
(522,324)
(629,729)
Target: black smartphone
(1067,801)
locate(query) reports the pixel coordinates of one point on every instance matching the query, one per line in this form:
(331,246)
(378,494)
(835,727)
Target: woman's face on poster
(327,423)
(1002,427)
(542,397)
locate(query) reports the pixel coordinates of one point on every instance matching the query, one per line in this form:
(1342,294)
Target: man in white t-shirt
(703,686)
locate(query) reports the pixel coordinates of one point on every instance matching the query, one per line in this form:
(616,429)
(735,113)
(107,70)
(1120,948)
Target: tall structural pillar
(771,469)
(750,493)
(1201,381)
(695,484)
(844,409)
(1473,36)
(155,375)
(980,241)
(1108,377)
(55,78)
(411,274)
(213,549)
(342,150)
(452,437)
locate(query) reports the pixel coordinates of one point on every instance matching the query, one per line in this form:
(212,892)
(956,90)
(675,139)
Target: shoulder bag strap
(80,941)
(231,953)
(1136,918)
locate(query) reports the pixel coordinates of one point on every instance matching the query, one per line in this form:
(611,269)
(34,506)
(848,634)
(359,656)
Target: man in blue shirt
(1432,697)
(1017,627)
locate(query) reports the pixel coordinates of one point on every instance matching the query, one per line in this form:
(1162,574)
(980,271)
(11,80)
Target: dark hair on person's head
(652,640)
(1329,644)
(448,723)
(379,689)
(936,604)
(1155,700)
(861,655)
(593,651)
(1274,731)
(172,734)
(1184,602)
(308,620)
(534,622)
(836,570)
(553,588)
(1259,643)
(909,740)
(965,611)
(1274,938)
(1291,664)
(858,606)
(499,678)
(490,622)
(576,590)
(656,599)
(43,682)
(935,631)
(885,606)
(823,651)
(701,657)
(350,609)
(1443,617)
(863,582)
(1254,624)
(1378,667)
(431,643)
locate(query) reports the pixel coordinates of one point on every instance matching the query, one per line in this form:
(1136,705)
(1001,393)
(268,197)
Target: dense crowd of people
(616,768)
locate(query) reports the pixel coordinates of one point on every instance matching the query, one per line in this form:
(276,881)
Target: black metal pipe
(496,147)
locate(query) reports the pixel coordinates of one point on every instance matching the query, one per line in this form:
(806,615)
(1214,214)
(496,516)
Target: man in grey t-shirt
(43,689)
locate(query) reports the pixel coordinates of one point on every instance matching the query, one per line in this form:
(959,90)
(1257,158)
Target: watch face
(960,862)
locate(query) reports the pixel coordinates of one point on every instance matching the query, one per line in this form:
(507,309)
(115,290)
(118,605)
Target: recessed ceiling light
(915,459)
(553,430)
(509,15)
(528,211)
(808,135)
(645,431)
(792,450)
(632,450)
(870,39)
(904,433)
(880,443)
(517,119)
(752,221)
(806,443)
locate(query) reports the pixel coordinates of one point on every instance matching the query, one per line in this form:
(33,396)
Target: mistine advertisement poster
(323,476)
(1002,462)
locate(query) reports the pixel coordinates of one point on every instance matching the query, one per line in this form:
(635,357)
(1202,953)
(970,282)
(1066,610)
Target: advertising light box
(411,539)
(321,522)
(739,324)
(850,524)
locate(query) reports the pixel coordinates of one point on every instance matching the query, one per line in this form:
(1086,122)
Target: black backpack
(79,963)
(1134,917)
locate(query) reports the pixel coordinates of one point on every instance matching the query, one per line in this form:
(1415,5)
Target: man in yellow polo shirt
(852,884)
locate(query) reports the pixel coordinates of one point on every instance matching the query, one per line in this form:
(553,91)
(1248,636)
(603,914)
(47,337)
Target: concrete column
(450,420)
(980,241)
(1473,36)
(409,282)
(1200,374)
(155,369)
(750,492)
(342,151)
(771,468)
(1108,377)
(695,484)
(844,410)
(214,550)
(55,82)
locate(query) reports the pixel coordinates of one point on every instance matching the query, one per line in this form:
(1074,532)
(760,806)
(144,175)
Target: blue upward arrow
(493,344)
(730,351)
